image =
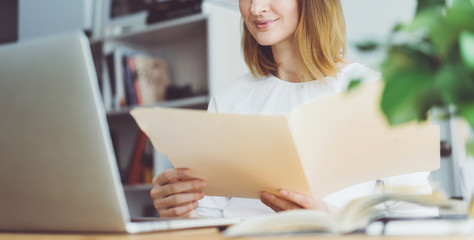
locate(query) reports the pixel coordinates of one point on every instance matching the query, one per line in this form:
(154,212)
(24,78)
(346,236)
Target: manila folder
(317,149)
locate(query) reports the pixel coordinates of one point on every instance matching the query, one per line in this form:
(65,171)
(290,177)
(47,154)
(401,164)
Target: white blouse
(270,95)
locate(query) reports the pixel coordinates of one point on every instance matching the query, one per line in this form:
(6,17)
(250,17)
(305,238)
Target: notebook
(58,170)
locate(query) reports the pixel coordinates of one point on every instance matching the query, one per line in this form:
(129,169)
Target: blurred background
(194,45)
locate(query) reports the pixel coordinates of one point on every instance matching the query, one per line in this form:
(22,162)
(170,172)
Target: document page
(344,139)
(238,155)
(319,148)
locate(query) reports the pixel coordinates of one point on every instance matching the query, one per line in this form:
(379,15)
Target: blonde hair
(319,42)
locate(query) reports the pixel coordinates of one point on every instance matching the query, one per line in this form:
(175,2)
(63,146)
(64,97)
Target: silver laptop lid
(57,168)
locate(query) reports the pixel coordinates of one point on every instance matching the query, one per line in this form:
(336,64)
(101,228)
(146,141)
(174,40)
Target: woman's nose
(259,6)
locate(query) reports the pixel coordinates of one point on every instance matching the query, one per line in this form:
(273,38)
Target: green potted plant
(430,63)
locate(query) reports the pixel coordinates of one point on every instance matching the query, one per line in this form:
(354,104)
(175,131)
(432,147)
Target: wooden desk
(199,234)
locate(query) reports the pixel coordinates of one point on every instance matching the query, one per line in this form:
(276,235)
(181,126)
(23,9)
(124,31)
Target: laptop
(58,171)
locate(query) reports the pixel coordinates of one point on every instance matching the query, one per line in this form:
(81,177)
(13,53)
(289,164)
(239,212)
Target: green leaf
(408,98)
(467,111)
(353,84)
(470,147)
(367,46)
(433,63)
(455,83)
(426,19)
(466,42)
(398,27)
(425,4)
(405,57)
(444,25)
(409,90)
(463,8)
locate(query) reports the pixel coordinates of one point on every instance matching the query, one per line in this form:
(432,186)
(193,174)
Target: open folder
(317,149)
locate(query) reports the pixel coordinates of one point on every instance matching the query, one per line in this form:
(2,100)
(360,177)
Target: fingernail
(202,184)
(284,192)
(186,173)
(265,195)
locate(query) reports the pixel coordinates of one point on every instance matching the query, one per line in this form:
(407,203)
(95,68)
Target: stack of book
(134,79)
(160,10)
(120,8)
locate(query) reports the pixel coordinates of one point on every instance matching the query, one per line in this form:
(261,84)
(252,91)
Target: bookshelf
(198,101)
(183,44)
(162,32)
(202,51)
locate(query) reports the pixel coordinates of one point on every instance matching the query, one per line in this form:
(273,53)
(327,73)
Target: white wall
(373,20)
(224,33)
(44,17)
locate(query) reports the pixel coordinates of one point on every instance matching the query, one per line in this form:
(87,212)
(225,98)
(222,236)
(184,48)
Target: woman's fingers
(178,211)
(278,203)
(177,200)
(298,198)
(303,200)
(175,193)
(292,200)
(194,185)
(171,175)
(270,204)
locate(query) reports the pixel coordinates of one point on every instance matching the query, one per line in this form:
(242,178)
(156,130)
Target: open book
(356,214)
(317,149)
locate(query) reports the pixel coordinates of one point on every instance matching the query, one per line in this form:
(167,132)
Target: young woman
(295,50)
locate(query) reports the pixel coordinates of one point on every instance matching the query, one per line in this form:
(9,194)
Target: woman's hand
(288,200)
(175,193)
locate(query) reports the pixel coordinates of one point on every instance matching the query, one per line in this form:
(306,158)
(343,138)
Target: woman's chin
(270,39)
(265,42)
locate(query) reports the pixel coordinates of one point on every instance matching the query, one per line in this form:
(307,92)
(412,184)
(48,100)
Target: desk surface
(198,234)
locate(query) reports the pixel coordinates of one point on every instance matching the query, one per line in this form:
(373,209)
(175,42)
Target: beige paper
(238,155)
(354,143)
(319,148)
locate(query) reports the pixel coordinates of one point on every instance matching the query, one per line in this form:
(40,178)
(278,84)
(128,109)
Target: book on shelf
(106,85)
(120,8)
(136,168)
(129,81)
(331,143)
(134,75)
(355,215)
(160,10)
(148,163)
(119,97)
(110,69)
(134,78)
(140,170)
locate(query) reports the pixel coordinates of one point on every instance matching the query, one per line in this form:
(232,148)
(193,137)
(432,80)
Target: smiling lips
(264,24)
